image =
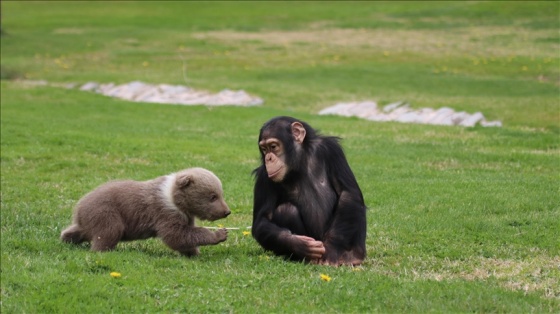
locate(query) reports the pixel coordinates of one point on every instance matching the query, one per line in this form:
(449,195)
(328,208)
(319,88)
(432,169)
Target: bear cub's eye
(213,198)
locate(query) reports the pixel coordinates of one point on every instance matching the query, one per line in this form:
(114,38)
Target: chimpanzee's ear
(183,180)
(298,131)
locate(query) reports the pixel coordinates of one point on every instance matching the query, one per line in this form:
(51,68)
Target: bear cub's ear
(184,180)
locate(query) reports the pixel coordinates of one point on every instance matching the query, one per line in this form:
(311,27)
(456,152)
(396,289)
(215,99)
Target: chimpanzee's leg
(287,216)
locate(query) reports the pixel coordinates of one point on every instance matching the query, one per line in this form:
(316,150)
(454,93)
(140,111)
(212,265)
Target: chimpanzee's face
(274,158)
(277,143)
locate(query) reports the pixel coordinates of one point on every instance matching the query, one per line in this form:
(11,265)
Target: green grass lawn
(459,219)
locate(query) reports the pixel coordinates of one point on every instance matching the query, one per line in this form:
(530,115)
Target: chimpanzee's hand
(308,247)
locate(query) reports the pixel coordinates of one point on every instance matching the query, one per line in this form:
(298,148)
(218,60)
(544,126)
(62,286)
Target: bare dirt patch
(472,40)
(539,273)
(69,31)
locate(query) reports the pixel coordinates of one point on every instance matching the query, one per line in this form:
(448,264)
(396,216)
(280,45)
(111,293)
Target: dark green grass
(501,69)
(463,195)
(459,219)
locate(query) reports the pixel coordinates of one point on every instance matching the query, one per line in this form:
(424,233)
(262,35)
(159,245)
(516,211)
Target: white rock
(146,93)
(393,106)
(172,94)
(340,109)
(329,110)
(472,120)
(409,117)
(89,86)
(458,117)
(401,112)
(378,117)
(485,123)
(442,116)
(363,109)
(395,114)
(105,88)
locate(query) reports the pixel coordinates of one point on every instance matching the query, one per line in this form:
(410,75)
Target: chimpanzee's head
(280,142)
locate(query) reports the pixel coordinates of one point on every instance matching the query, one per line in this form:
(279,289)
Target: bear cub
(164,207)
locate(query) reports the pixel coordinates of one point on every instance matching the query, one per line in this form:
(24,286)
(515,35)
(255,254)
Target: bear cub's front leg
(188,241)
(221,235)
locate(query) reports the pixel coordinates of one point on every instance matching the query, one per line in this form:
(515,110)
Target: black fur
(319,197)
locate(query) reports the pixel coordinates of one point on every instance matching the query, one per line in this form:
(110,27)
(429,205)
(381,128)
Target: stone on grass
(172,94)
(401,112)
(89,86)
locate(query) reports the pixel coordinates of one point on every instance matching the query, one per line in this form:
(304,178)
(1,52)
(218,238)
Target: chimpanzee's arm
(345,240)
(269,235)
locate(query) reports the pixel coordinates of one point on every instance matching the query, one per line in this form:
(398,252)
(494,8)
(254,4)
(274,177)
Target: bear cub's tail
(72,234)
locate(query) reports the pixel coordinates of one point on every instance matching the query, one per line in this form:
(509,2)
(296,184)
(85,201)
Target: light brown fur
(164,207)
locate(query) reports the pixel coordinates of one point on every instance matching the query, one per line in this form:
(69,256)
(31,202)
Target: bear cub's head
(198,192)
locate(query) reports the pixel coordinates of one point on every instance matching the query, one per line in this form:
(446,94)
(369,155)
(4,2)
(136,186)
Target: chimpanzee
(307,203)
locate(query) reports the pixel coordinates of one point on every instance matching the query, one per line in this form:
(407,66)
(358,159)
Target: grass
(459,219)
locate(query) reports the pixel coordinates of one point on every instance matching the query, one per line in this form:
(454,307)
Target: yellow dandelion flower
(325,278)
(265,257)
(115,274)
(246,233)
(220,226)
(145,63)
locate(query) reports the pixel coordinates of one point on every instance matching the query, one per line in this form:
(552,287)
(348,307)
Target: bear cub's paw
(221,234)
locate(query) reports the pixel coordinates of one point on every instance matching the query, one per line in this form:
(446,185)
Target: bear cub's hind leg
(73,234)
(107,239)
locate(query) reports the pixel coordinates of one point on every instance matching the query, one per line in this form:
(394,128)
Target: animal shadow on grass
(150,247)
